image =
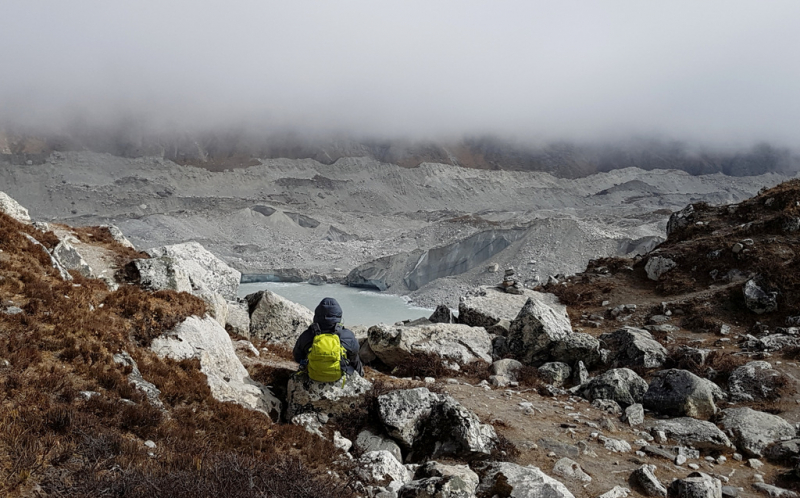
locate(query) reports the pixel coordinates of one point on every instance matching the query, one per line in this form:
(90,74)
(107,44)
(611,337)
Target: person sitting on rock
(326,349)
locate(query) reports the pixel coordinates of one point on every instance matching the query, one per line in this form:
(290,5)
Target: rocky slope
(670,374)
(290,219)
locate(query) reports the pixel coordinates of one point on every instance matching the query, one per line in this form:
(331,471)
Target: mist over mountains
(240,148)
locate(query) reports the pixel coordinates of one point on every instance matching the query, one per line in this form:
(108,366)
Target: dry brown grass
(55,438)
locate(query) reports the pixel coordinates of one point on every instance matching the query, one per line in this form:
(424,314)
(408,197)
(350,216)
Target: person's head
(328,313)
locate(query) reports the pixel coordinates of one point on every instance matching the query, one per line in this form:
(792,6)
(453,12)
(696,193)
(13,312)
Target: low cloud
(719,72)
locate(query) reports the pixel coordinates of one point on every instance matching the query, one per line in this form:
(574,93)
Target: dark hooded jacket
(328,316)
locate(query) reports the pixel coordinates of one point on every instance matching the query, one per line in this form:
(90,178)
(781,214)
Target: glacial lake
(360,306)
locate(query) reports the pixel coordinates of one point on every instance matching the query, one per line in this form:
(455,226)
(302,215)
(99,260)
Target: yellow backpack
(326,357)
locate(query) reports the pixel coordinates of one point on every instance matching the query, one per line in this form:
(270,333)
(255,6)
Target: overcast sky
(714,71)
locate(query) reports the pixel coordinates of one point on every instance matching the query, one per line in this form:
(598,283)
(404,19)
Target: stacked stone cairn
(509,283)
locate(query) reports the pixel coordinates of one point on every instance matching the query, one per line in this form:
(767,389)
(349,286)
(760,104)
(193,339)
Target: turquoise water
(360,306)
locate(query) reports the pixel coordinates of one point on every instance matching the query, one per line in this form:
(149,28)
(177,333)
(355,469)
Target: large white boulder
(277,319)
(657,266)
(203,268)
(510,479)
(160,274)
(238,321)
(13,208)
(542,333)
(486,305)
(334,398)
(205,339)
(380,465)
(452,342)
(432,425)
(752,431)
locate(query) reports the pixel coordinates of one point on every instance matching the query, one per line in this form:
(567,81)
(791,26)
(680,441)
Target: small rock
(774,491)
(569,469)
(616,492)
(755,463)
(646,479)
(634,414)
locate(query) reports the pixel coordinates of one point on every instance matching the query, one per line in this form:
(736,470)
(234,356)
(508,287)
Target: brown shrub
(151,314)
(504,450)
(423,365)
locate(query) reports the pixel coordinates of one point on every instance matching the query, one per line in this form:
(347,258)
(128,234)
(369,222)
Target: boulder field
(624,380)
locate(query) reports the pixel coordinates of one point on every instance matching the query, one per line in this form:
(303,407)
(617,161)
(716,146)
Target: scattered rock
(431,425)
(608,406)
(276,319)
(117,235)
(204,339)
(631,347)
(758,300)
(752,431)
(442,314)
(681,393)
(509,479)
(615,445)
(620,384)
(616,492)
(202,268)
(634,415)
(377,466)
(696,485)
(645,478)
(461,344)
(441,481)
(783,451)
(69,257)
(697,433)
(774,491)
(755,381)
(657,266)
(729,492)
(238,319)
(680,219)
(369,441)
(13,209)
(569,469)
(135,377)
(540,333)
(507,368)
(306,395)
(486,306)
(159,274)
(555,373)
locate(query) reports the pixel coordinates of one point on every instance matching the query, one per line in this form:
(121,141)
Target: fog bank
(720,72)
